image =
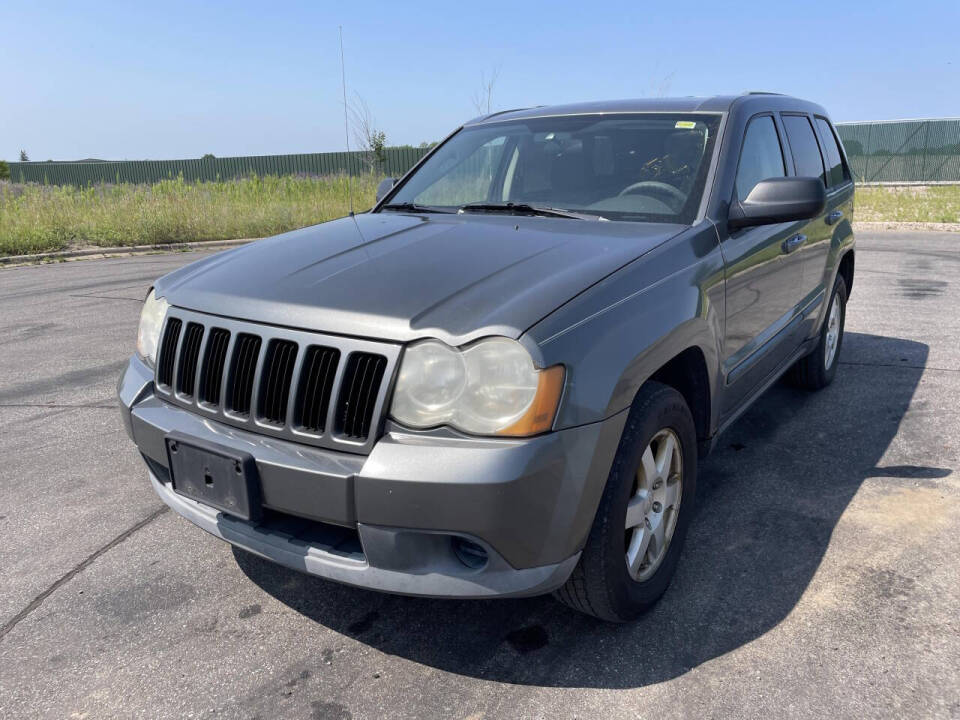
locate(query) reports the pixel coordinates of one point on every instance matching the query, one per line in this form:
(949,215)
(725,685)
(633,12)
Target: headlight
(148,334)
(488,388)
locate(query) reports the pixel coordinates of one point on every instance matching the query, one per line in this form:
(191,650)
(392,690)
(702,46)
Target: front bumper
(389,520)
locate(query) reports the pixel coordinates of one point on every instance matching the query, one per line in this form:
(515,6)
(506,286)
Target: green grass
(37,218)
(929,203)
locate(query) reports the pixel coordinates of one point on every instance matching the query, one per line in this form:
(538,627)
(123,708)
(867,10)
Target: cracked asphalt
(820,578)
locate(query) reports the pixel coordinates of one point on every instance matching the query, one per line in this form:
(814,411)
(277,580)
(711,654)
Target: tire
(813,371)
(601,584)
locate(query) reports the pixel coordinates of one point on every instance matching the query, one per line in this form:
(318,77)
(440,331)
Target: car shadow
(768,501)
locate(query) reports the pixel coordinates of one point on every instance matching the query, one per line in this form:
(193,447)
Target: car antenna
(346,124)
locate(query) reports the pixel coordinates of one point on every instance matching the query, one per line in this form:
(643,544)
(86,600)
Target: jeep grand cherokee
(499,380)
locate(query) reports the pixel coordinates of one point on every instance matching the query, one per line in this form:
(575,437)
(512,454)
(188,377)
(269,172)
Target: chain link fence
(396,161)
(903,151)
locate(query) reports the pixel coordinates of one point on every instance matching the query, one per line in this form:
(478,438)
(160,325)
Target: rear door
(808,162)
(762,279)
(838,214)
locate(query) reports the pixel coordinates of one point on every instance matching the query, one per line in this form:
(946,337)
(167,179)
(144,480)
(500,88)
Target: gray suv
(500,379)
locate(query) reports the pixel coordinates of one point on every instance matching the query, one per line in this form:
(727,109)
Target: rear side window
(803,144)
(836,172)
(761,156)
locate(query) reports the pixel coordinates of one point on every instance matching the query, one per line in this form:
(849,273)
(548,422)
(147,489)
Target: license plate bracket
(220,477)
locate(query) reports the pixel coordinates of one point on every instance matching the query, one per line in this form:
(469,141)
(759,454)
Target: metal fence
(397,161)
(920,151)
(897,151)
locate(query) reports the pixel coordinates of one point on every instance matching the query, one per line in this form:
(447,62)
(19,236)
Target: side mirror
(385,186)
(777,200)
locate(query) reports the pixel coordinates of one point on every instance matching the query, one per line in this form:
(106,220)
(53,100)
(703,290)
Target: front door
(763,276)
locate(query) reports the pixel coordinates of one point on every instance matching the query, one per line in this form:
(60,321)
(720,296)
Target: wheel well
(846,270)
(687,374)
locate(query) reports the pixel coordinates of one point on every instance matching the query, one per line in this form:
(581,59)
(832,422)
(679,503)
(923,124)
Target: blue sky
(178,79)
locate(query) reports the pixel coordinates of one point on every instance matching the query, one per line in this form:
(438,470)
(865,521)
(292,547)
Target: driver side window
(761,156)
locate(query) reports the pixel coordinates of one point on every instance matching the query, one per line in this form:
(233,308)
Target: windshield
(648,167)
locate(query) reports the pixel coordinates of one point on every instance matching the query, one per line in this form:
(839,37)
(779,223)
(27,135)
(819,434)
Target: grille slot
(211,372)
(168,352)
(243,368)
(275,381)
(315,388)
(189,354)
(358,394)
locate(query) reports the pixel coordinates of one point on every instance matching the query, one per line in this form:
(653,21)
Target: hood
(400,277)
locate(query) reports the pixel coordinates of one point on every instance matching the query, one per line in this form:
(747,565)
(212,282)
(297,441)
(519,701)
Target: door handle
(793,243)
(834,217)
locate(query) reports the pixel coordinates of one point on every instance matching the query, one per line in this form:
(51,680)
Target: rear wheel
(638,532)
(816,370)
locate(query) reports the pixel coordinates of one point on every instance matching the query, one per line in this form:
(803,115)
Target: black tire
(601,585)
(811,372)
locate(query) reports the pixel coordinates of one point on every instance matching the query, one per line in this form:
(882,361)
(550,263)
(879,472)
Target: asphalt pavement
(821,575)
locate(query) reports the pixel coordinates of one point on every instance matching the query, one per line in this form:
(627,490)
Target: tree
(209,156)
(23,156)
(483,97)
(369,139)
(4,170)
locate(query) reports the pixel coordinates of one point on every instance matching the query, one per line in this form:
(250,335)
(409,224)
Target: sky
(161,80)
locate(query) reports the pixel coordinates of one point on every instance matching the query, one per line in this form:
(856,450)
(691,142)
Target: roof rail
(760,92)
(503,112)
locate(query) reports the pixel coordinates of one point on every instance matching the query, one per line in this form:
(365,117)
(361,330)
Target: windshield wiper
(513,208)
(413,207)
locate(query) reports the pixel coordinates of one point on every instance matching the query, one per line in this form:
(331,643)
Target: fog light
(469,553)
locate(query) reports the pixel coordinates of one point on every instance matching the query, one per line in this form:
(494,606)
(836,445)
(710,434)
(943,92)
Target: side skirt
(805,349)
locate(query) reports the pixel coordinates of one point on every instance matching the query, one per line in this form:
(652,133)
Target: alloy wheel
(833,334)
(654,506)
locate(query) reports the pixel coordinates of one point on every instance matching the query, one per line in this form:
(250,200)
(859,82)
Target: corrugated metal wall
(900,151)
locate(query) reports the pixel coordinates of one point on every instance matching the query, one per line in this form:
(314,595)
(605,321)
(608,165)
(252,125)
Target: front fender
(613,337)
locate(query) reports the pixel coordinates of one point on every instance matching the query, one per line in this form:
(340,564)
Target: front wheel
(816,370)
(638,532)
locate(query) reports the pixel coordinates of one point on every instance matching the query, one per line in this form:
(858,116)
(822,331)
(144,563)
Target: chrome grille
(326,391)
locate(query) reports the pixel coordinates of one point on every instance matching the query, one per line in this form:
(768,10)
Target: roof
(717,103)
